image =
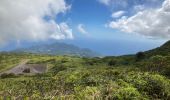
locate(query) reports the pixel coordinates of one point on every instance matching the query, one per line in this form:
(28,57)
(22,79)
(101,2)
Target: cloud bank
(25,20)
(149,22)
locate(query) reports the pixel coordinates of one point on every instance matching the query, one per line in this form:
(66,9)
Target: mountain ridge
(163,50)
(58,48)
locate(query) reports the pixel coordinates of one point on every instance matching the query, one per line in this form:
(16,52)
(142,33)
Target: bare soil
(33,68)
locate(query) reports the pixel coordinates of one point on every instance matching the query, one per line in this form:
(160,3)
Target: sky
(110,27)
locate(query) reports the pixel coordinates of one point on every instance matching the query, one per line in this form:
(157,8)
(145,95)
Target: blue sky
(94,15)
(110,27)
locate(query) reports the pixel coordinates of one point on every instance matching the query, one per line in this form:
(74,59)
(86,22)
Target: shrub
(128,93)
(58,67)
(157,63)
(7,75)
(158,87)
(140,56)
(167,71)
(112,62)
(88,93)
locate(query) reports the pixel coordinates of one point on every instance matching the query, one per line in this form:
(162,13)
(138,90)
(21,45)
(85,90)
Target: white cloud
(115,3)
(62,31)
(24,20)
(139,7)
(106,2)
(149,22)
(118,14)
(81,29)
(129,4)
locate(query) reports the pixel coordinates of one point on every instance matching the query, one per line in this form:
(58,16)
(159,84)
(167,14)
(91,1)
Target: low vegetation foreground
(144,76)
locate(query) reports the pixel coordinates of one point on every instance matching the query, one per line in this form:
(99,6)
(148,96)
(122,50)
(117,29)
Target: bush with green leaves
(140,56)
(76,78)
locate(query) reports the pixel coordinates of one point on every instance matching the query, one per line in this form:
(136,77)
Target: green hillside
(163,50)
(133,77)
(58,48)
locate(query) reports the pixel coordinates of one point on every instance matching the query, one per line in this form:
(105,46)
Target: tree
(112,62)
(140,56)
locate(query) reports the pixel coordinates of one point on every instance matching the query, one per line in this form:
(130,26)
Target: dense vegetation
(133,77)
(163,50)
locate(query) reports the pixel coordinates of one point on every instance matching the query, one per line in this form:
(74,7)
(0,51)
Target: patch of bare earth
(24,68)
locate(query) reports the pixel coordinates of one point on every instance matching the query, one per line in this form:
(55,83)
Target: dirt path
(18,69)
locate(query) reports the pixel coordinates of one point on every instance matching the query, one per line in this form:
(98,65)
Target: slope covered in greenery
(58,49)
(134,77)
(162,50)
